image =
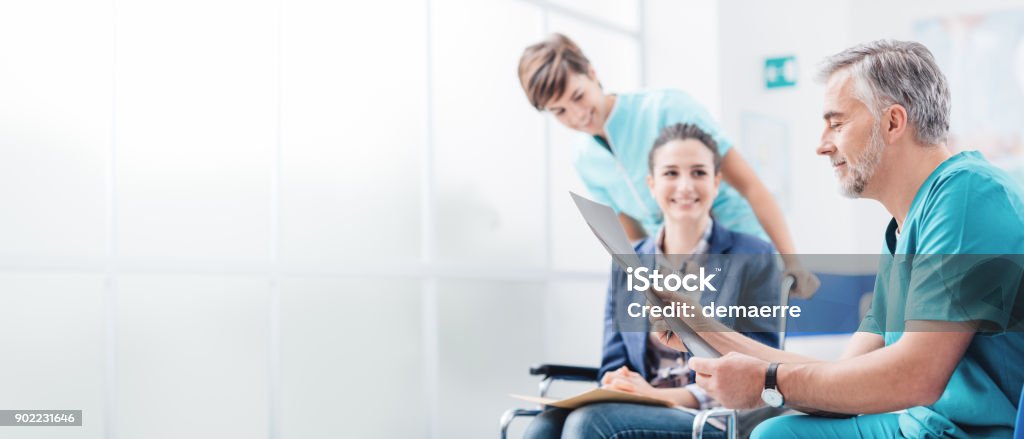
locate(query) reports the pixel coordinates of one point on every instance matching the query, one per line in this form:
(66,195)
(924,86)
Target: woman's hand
(665,335)
(626,380)
(695,319)
(660,327)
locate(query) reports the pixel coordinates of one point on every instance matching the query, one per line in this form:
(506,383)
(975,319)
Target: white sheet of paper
(604,222)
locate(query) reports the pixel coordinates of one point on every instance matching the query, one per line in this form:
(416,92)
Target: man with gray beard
(859,174)
(943,343)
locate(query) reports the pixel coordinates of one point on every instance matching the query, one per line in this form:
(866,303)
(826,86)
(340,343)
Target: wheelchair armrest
(565,373)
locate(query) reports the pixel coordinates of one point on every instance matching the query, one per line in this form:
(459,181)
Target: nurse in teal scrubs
(611,158)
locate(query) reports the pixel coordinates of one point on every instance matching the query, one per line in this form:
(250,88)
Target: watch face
(772,397)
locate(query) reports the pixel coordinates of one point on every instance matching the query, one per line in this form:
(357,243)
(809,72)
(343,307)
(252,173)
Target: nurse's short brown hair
(545,68)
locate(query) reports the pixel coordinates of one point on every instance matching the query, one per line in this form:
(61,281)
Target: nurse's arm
(911,372)
(634,231)
(738,173)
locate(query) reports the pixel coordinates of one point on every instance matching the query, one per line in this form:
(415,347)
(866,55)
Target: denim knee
(586,422)
(547,425)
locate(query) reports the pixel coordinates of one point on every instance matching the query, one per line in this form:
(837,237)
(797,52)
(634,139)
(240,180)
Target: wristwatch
(771,395)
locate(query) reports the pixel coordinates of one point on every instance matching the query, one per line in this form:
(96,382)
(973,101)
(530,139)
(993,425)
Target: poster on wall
(765,138)
(983,58)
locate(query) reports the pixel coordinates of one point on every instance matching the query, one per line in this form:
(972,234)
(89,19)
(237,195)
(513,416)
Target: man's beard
(860,174)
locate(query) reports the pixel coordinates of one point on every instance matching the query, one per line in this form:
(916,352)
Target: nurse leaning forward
(619,129)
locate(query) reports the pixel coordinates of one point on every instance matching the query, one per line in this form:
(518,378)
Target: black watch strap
(769,376)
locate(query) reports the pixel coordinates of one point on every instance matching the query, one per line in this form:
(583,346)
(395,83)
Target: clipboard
(595,396)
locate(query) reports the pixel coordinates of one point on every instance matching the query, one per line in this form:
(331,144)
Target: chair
(549,373)
(557,372)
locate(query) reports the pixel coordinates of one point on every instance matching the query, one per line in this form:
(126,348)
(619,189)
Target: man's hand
(735,380)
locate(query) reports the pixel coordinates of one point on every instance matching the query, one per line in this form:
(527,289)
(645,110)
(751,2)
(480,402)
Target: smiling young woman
(684,178)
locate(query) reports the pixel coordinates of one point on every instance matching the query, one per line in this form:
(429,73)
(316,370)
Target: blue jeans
(616,421)
(884,425)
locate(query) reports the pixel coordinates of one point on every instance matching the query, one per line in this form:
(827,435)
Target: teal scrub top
(964,213)
(617,175)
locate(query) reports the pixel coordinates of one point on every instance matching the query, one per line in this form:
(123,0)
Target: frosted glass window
(196,129)
(615,57)
(192,349)
(490,334)
(348,345)
(573,246)
(354,124)
(51,334)
(56,81)
(574,321)
(618,12)
(488,141)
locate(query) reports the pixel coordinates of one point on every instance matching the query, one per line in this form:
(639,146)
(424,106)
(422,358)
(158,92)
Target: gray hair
(887,72)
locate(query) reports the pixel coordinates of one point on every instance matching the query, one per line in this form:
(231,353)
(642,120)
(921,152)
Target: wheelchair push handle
(788,284)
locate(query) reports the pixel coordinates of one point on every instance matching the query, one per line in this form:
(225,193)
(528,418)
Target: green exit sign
(780,72)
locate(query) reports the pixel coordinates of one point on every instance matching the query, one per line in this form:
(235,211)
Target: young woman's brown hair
(684,131)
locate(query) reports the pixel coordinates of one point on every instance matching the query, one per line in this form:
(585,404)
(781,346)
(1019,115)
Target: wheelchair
(549,373)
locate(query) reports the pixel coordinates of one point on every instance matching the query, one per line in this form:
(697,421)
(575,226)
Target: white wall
(750,31)
(683,50)
(876,19)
